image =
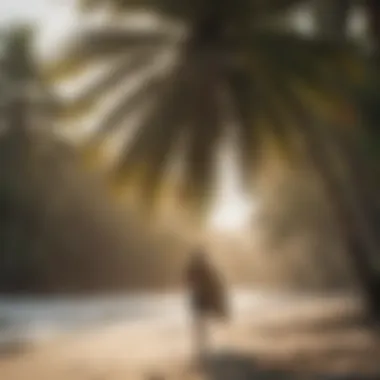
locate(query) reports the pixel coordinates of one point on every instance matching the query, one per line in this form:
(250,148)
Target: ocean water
(41,318)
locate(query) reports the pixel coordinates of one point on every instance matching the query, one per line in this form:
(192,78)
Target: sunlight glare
(232,209)
(231,215)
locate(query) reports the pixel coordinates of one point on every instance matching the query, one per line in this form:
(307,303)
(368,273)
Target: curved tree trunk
(373,14)
(356,226)
(326,152)
(349,186)
(331,18)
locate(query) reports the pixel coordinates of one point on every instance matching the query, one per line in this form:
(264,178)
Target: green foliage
(191,10)
(226,66)
(370,100)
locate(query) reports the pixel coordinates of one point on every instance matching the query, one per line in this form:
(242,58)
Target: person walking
(207,299)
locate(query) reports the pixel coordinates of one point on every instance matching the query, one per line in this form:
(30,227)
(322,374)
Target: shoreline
(311,337)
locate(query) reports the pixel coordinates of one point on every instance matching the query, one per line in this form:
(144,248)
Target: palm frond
(328,86)
(277,122)
(88,99)
(113,39)
(342,62)
(205,128)
(152,147)
(151,88)
(301,111)
(194,9)
(262,113)
(326,151)
(323,75)
(246,103)
(102,44)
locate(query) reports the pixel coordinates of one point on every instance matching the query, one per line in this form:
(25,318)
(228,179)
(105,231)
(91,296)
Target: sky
(53,19)
(21,9)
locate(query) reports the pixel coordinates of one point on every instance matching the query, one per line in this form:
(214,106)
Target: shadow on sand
(230,365)
(237,366)
(12,348)
(233,365)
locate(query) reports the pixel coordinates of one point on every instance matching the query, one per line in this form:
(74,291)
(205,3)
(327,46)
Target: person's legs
(200,339)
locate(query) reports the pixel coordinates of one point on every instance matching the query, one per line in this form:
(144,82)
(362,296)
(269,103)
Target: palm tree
(331,21)
(24,101)
(25,98)
(229,63)
(332,17)
(373,11)
(216,58)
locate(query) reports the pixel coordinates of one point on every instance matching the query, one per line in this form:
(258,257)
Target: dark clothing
(207,293)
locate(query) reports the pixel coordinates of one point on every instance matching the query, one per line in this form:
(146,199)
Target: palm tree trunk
(331,18)
(326,152)
(373,12)
(361,239)
(350,191)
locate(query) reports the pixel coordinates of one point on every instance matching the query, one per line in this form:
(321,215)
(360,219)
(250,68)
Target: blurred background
(133,131)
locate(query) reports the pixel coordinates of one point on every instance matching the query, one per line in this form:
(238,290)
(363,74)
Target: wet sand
(314,339)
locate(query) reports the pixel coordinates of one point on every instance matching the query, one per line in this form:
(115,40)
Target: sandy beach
(307,341)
